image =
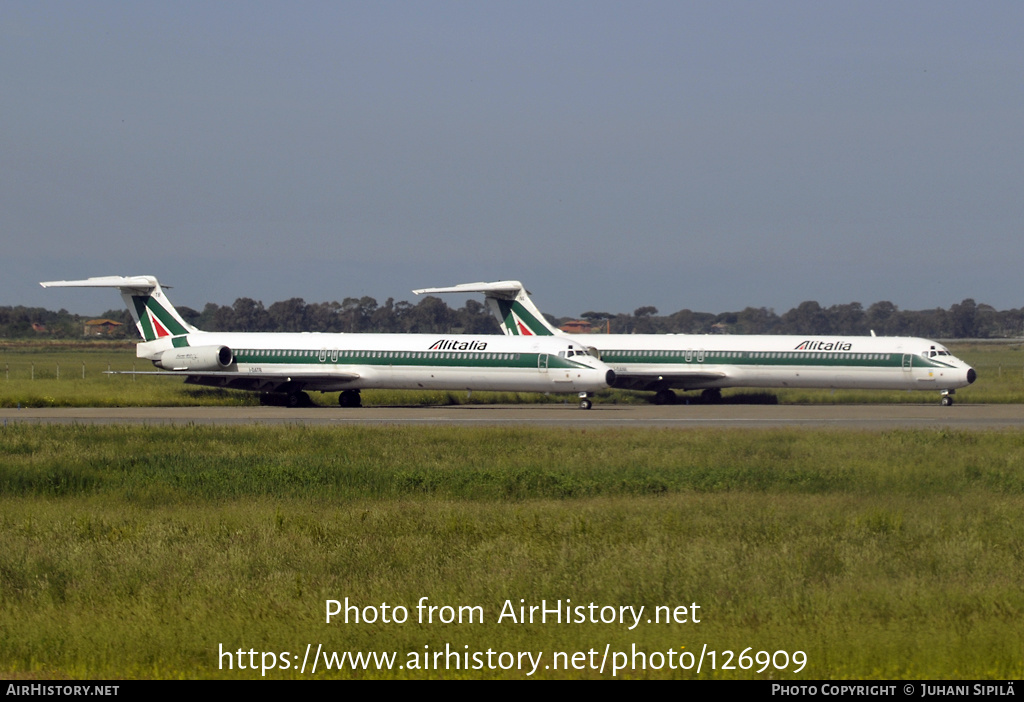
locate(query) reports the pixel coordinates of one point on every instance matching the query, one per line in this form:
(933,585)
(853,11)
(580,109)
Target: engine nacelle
(196,358)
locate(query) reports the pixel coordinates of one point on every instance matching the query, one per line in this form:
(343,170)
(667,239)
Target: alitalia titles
(824,346)
(455,345)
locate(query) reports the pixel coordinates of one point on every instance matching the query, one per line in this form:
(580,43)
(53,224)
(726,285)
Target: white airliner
(663,362)
(292,363)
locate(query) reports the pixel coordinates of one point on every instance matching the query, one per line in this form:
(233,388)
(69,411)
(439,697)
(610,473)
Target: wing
(260,382)
(653,380)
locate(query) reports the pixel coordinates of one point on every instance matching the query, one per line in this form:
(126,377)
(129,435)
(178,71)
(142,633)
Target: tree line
(966,320)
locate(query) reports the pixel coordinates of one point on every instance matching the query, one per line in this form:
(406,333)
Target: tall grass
(137,551)
(200,462)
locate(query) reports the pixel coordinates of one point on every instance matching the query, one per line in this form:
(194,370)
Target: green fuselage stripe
(411,359)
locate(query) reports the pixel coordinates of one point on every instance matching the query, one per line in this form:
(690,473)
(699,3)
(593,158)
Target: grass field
(141,551)
(146,551)
(31,380)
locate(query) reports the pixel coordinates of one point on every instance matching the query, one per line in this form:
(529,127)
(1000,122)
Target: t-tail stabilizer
(510,303)
(155,317)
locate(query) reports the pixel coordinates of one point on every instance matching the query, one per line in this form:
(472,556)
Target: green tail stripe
(165,317)
(171,324)
(510,309)
(140,312)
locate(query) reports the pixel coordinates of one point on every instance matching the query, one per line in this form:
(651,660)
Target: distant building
(578,326)
(39,328)
(100,327)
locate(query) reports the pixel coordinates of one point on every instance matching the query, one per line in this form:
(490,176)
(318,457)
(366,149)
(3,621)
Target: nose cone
(971,376)
(591,378)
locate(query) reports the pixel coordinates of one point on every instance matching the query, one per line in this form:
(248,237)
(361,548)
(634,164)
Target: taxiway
(867,417)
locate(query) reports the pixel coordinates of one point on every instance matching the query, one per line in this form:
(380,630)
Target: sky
(611,155)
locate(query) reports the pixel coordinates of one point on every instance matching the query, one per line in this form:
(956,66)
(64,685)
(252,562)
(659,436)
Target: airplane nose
(971,376)
(609,378)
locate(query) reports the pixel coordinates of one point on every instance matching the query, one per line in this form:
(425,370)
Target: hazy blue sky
(709,155)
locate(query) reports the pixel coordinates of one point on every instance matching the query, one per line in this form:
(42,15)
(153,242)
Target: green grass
(138,551)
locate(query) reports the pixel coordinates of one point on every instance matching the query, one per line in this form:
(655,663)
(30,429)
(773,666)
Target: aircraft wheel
(664,397)
(586,403)
(711,396)
(946,401)
(350,398)
(298,399)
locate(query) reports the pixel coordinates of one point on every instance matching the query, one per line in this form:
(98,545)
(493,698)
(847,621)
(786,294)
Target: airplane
(663,363)
(294,363)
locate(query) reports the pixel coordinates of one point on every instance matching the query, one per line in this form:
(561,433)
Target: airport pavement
(870,417)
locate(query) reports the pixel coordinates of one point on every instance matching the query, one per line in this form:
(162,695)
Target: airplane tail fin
(510,304)
(154,315)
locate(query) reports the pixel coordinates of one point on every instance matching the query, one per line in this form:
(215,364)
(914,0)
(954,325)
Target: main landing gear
(298,399)
(350,398)
(665,397)
(710,396)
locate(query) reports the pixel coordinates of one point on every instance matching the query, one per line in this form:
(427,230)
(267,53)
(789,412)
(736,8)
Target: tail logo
(523,329)
(158,328)
(520,321)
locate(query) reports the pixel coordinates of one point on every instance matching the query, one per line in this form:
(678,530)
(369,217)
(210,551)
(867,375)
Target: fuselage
(329,362)
(684,361)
